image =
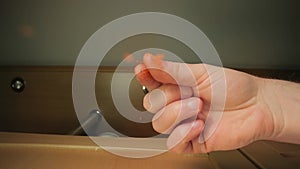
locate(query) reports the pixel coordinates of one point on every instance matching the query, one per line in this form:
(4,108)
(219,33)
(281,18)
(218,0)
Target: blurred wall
(246,33)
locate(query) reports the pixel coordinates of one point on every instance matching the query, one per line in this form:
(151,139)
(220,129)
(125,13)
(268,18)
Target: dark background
(246,33)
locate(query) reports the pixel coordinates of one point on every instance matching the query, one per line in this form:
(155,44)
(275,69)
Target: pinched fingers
(145,78)
(184,137)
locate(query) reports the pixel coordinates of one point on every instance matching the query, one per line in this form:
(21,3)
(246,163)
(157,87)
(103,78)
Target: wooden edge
(286,74)
(65,68)
(266,156)
(230,160)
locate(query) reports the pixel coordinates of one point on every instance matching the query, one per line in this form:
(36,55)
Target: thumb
(173,72)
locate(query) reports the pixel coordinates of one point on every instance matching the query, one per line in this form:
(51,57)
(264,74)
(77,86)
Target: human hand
(175,97)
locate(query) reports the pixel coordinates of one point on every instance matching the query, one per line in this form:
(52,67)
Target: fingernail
(193,104)
(157,100)
(197,124)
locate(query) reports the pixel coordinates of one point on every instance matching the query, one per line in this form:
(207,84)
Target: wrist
(280,104)
(270,107)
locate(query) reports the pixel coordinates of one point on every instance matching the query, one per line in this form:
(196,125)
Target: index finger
(174,72)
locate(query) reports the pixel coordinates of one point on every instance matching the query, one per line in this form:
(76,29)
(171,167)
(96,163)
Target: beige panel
(52,151)
(56,151)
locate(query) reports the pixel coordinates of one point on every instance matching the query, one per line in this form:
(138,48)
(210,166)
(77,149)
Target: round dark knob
(18,84)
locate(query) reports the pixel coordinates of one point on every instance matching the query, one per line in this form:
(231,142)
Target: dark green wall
(246,33)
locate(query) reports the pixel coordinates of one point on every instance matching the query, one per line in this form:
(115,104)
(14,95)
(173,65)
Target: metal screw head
(145,90)
(17,84)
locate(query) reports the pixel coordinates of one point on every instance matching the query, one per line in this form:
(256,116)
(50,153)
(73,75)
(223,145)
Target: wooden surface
(53,151)
(24,151)
(267,154)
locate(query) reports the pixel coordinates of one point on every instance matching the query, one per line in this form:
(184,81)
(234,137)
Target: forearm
(282,99)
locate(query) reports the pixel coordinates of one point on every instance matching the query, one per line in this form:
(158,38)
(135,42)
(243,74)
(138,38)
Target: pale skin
(255,108)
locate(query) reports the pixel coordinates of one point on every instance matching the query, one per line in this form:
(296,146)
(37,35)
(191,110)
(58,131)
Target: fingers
(183,137)
(172,114)
(144,77)
(175,73)
(165,94)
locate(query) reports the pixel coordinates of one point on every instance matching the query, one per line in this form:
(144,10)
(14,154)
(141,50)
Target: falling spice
(128,58)
(27,30)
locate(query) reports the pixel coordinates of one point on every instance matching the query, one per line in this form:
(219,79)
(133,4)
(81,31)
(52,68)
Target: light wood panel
(19,150)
